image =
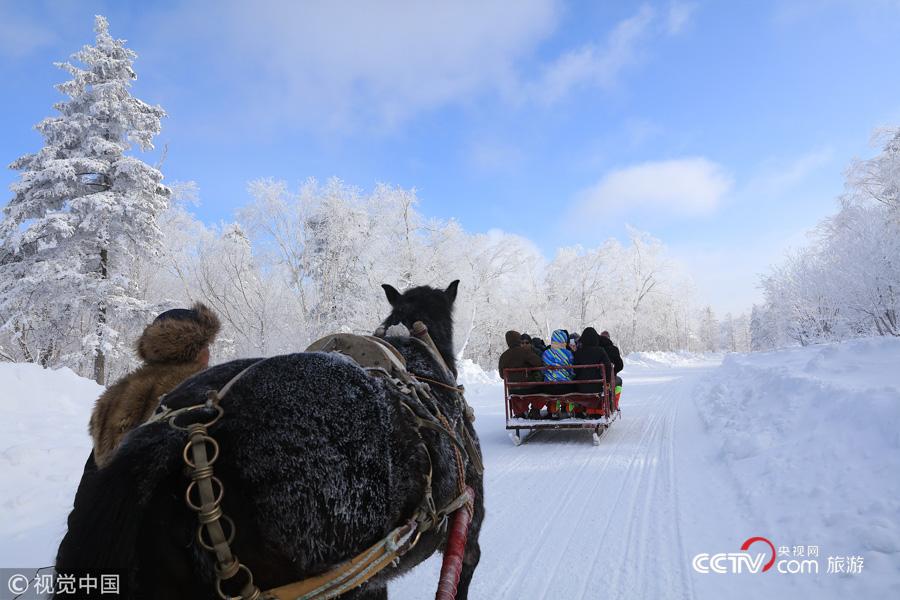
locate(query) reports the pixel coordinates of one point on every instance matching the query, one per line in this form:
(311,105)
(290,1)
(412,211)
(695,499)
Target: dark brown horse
(318,461)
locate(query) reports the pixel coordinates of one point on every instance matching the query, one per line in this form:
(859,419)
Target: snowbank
(44,443)
(470,373)
(811,437)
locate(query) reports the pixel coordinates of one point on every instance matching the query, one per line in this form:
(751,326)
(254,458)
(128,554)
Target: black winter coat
(591,355)
(613,352)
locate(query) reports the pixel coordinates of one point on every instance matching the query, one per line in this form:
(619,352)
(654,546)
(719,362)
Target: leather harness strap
(352,573)
(359,569)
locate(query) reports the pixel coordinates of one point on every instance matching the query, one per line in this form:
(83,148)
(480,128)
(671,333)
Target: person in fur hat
(173,347)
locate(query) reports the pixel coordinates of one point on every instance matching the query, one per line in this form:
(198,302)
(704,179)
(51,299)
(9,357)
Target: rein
(453,388)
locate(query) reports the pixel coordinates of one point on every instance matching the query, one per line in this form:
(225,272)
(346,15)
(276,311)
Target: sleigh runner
(532,406)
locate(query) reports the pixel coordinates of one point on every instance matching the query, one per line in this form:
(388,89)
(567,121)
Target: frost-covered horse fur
(318,461)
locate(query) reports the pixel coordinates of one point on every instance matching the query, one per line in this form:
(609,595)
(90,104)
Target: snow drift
(44,444)
(810,438)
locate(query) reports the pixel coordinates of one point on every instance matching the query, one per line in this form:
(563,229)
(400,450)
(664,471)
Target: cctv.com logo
(752,562)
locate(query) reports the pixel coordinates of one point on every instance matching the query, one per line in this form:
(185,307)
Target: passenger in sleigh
(591,352)
(518,355)
(616,357)
(558,355)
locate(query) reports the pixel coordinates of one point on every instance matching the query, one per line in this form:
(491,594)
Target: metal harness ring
(241,568)
(229,539)
(206,439)
(173,416)
(187,494)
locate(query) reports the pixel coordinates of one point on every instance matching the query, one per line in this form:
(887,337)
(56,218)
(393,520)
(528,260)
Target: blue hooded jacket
(556,357)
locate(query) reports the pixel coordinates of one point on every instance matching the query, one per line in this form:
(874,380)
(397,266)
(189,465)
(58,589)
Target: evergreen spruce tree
(82,215)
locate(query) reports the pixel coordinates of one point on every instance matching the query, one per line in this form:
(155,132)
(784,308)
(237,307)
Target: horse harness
(205,492)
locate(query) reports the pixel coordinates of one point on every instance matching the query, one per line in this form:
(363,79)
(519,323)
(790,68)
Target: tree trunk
(46,355)
(23,346)
(99,356)
(462,350)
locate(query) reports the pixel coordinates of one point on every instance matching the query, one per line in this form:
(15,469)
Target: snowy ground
(800,446)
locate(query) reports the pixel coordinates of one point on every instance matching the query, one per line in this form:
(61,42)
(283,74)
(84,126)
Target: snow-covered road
(570,520)
(708,453)
(706,456)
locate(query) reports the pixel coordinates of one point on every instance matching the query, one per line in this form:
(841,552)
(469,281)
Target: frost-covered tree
(761,334)
(877,179)
(735,333)
(585,286)
(846,282)
(708,330)
(82,214)
(644,268)
(301,264)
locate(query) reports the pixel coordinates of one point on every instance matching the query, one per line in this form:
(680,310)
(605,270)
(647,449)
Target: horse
(318,460)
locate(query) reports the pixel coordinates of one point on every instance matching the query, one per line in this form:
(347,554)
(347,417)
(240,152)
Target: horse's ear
(392,294)
(451,290)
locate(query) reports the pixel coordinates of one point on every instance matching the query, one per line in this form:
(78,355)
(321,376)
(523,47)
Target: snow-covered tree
(708,330)
(735,333)
(761,334)
(846,282)
(335,245)
(877,179)
(82,214)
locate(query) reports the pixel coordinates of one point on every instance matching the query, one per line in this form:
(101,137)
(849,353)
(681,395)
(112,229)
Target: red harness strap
(456,546)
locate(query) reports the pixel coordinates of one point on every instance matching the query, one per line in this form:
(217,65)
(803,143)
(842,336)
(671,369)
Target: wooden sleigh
(533,406)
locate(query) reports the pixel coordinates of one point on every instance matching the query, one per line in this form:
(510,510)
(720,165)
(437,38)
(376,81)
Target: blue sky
(722,128)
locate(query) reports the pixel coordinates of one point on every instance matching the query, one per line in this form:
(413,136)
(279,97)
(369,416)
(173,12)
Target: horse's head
(432,307)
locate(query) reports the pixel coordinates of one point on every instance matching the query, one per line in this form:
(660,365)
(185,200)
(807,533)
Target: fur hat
(178,335)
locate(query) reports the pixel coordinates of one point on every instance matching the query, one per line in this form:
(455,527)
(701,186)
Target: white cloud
(601,64)
(341,65)
(595,64)
(687,186)
(779,176)
(678,17)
